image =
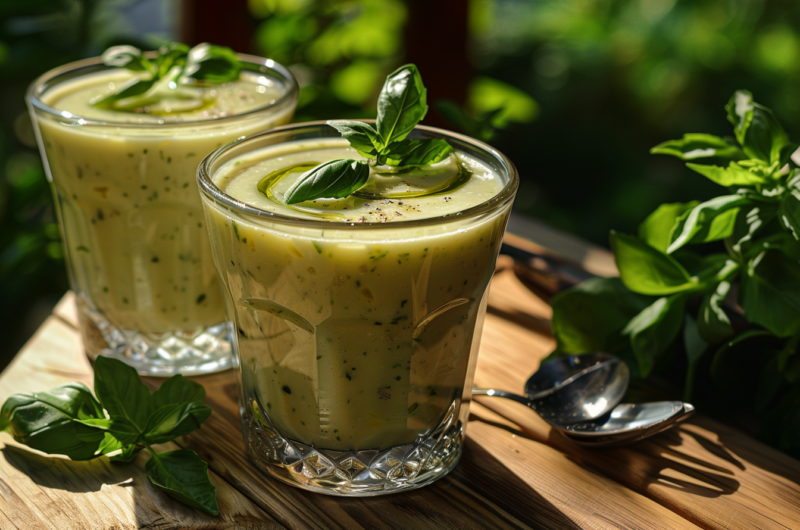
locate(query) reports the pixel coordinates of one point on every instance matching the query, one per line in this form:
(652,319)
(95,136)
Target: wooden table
(515,472)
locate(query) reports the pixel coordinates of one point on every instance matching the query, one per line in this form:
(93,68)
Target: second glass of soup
(129,211)
(357,320)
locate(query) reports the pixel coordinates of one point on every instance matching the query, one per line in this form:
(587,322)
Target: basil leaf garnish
(205,63)
(415,153)
(183,476)
(332,180)
(212,64)
(401,104)
(362,136)
(126,57)
(133,88)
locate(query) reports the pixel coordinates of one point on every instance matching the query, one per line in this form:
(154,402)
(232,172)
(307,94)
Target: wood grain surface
(515,472)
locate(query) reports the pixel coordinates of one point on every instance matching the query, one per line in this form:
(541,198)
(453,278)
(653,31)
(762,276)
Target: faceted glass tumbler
(132,225)
(356,342)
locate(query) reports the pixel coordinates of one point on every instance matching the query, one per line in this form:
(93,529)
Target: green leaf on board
(655,230)
(401,104)
(591,315)
(713,323)
(183,475)
(123,394)
(173,420)
(698,145)
(770,292)
(177,389)
(709,221)
(128,453)
(653,330)
(645,270)
(331,180)
(53,421)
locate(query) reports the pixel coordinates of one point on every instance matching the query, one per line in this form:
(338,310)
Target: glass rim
(210,190)
(34,91)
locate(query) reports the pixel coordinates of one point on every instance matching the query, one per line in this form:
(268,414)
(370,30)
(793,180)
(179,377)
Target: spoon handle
(501,393)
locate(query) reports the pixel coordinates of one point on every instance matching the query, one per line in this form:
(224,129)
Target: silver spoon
(572,389)
(629,423)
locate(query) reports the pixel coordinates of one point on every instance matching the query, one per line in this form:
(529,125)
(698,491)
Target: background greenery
(585,88)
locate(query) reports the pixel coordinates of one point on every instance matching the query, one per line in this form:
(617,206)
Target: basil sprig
(205,63)
(401,106)
(124,417)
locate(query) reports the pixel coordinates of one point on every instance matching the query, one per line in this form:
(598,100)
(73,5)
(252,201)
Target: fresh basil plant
(123,419)
(740,306)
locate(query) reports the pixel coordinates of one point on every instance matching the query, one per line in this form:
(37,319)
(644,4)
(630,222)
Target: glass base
(357,473)
(164,354)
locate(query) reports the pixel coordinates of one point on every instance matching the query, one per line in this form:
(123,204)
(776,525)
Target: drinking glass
(131,222)
(356,343)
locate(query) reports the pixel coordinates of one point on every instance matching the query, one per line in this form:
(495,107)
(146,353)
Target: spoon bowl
(577,388)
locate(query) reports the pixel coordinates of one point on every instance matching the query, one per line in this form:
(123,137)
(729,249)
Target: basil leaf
(124,396)
(770,292)
(129,452)
(733,175)
(126,57)
(362,136)
(214,64)
(177,389)
(655,230)
(645,270)
(108,445)
(169,56)
(654,329)
(590,316)
(51,422)
(401,104)
(756,128)
(410,153)
(713,323)
(697,145)
(183,476)
(708,221)
(332,180)
(170,421)
(789,213)
(134,87)
(749,222)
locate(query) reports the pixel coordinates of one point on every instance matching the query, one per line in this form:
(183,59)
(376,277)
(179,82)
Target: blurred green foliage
(573,91)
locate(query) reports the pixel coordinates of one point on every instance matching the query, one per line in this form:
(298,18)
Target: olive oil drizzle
(267,184)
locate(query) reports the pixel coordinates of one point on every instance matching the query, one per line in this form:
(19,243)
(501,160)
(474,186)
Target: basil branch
(174,63)
(124,417)
(401,106)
